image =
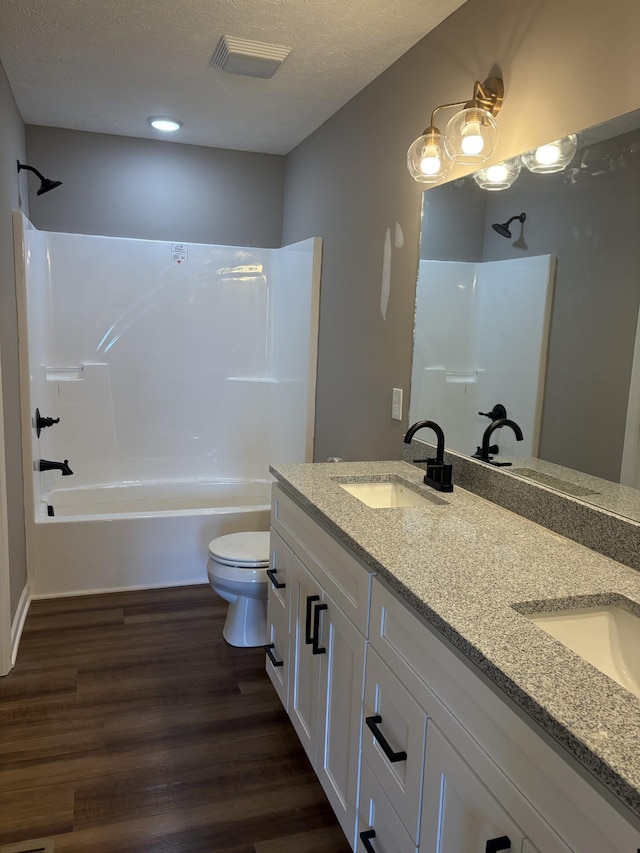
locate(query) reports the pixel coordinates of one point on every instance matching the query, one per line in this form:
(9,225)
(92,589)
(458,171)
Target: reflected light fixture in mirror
(498,176)
(553,157)
(470,137)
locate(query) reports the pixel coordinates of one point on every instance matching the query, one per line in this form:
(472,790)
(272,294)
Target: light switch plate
(396,404)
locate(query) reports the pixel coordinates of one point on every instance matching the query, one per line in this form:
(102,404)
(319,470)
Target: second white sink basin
(389,493)
(607,637)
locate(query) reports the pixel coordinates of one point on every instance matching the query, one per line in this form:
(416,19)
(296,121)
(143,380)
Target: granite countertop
(613,497)
(471,569)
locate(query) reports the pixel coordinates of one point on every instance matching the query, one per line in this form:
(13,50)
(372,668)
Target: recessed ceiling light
(164,123)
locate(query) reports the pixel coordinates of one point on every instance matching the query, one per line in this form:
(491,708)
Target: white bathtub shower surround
(167,364)
(139,536)
(474,314)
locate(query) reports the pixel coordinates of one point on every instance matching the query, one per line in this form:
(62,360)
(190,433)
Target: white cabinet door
(304,682)
(277,649)
(393,740)
(279,571)
(379,828)
(459,814)
(341,648)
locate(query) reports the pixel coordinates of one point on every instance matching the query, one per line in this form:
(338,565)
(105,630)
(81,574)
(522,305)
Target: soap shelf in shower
(64,374)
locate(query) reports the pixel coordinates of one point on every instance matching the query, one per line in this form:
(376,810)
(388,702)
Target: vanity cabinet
(328,602)
(488,779)
(385,706)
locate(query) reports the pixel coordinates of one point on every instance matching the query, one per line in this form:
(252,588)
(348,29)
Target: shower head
(503,227)
(45,183)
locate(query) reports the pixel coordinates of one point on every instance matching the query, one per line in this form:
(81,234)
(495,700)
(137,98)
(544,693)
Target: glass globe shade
(471,136)
(499,176)
(553,157)
(427,160)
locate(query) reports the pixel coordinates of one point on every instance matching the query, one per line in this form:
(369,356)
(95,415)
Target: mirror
(578,377)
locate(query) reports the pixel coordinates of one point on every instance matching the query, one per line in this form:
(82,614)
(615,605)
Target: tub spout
(63,467)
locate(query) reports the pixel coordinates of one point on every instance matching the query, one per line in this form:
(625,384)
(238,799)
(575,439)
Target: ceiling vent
(250,58)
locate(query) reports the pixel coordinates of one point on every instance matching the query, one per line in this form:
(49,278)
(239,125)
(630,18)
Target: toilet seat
(241,550)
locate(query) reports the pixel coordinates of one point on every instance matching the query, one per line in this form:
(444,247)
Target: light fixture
(164,123)
(470,137)
(45,183)
(498,176)
(553,157)
(427,158)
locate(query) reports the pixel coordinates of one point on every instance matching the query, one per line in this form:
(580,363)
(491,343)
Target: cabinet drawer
(375,813)
(277,661)
(394,722)
(460,813)
(338,572)
(280,564)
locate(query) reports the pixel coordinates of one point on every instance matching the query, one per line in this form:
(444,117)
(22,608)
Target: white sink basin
(390,493)
(608,637)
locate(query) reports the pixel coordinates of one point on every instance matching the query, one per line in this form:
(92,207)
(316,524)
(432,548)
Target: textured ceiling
(106,65)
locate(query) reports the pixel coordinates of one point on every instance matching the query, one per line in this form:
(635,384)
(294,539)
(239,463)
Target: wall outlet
(396,404)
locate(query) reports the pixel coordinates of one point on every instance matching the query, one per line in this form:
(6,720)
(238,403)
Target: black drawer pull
(271,574)
(271,655)
(317,649)
(373,722)
(307,625)
(495,844)
(366,843)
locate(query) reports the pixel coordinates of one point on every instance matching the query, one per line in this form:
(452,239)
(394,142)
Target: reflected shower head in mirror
(503,227)
(46,184)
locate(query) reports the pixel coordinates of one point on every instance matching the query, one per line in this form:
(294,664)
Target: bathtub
(137,535)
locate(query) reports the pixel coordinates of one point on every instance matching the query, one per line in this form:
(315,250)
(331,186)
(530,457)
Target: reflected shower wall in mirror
(587,220)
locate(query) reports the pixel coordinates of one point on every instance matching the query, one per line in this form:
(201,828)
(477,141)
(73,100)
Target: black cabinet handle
(308,638)
(373,722)
(271,655)
(495,844)
(271,574)
(317,649)
(366,843)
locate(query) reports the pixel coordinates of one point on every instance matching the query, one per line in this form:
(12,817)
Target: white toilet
(237,570)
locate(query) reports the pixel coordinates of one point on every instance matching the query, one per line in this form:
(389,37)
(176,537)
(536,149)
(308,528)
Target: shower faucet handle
(496,413)
(41,422)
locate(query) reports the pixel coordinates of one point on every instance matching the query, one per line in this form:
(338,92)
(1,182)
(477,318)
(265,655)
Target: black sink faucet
(501,422)
(63,467)
(438,474)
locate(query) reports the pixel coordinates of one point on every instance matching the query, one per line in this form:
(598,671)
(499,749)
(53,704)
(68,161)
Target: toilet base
(246,623)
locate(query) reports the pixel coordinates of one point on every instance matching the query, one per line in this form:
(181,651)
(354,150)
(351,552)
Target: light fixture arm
(487,95)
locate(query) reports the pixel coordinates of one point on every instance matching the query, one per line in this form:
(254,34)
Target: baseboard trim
(129,588)
(18,623)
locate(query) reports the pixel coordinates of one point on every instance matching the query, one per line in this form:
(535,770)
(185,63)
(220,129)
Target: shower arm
(31,169)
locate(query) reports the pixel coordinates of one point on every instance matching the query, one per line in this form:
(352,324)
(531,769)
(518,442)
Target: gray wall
(453,220)
(124,187)
(348,182)
(12,148)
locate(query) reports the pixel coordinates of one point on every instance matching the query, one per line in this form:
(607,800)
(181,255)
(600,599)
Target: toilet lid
(241,549)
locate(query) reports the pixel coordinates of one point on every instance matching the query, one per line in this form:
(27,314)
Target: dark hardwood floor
(128,725)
